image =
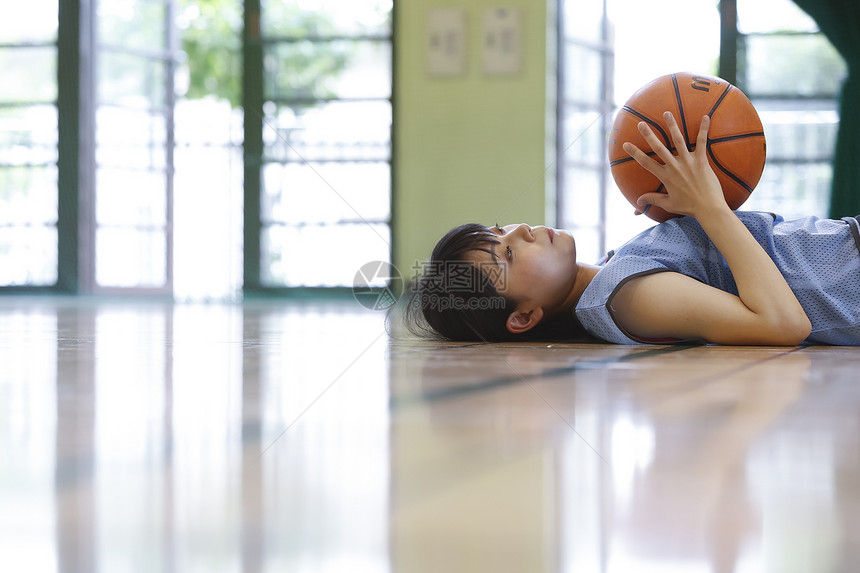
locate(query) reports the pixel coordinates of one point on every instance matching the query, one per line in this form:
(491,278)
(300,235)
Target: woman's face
(534,265)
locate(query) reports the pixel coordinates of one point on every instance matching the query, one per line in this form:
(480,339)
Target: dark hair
(455,299)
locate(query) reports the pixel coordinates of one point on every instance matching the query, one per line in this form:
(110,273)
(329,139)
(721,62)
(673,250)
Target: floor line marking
(503,381)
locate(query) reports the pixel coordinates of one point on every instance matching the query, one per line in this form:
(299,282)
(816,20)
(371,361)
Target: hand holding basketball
(690,182)
(736,147)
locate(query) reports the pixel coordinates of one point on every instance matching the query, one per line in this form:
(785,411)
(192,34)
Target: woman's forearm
(761,286)
(693,189)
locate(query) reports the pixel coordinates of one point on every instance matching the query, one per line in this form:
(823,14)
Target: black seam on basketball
(680,103)
(660,189)
(650,122)
(720,99)
(626,159)
(735,137)
(731,175)
(620,161)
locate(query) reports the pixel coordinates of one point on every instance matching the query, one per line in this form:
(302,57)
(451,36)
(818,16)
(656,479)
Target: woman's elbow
(804,329)
(793,330)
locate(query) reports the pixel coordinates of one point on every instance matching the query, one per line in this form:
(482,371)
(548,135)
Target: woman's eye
(509,253)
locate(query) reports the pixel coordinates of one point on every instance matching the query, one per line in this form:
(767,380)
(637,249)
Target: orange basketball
(736,145)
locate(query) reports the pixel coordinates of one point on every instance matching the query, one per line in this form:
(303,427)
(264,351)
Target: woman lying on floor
(741,278)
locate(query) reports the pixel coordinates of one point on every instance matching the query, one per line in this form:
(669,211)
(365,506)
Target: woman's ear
(522,320)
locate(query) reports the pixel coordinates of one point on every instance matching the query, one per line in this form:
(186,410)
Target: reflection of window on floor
(325,182)
(28,146)
(789,70)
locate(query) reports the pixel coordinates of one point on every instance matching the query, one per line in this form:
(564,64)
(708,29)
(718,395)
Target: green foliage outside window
(211,39)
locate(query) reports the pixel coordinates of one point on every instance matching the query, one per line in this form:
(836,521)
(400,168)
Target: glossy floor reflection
(273,436)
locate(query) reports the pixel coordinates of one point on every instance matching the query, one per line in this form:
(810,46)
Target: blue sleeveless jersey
(819,259)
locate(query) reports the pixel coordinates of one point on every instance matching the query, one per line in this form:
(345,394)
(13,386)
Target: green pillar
(68,142)
(252,104)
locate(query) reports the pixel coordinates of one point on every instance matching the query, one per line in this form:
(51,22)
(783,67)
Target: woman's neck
(584,275)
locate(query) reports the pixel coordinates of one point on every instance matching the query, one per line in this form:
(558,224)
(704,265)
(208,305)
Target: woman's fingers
(661,200)
(679,141)
(647,162)
(678,138)
(702,139)
(688,178)
(654,142)
(641,158)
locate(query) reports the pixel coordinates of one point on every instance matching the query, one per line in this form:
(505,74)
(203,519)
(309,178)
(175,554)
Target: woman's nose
(526,232)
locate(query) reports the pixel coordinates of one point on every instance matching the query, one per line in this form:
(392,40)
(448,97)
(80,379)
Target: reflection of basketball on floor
(736,143)
(375,285)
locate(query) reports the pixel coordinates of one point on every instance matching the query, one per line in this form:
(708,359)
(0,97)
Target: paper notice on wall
(502,42)
(446,42)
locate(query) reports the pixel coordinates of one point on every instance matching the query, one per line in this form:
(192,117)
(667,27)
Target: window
(86,149)
(208,192)
(28,146)
(585,115)
(318,118)
(773,52)
(793,75)
(106,177)
(135,60)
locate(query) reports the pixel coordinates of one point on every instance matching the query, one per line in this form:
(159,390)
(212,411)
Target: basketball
(736,144)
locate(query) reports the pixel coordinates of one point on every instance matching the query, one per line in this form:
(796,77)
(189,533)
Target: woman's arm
(669,304)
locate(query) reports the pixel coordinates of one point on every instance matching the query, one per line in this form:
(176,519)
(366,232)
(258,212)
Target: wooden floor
(273,436)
